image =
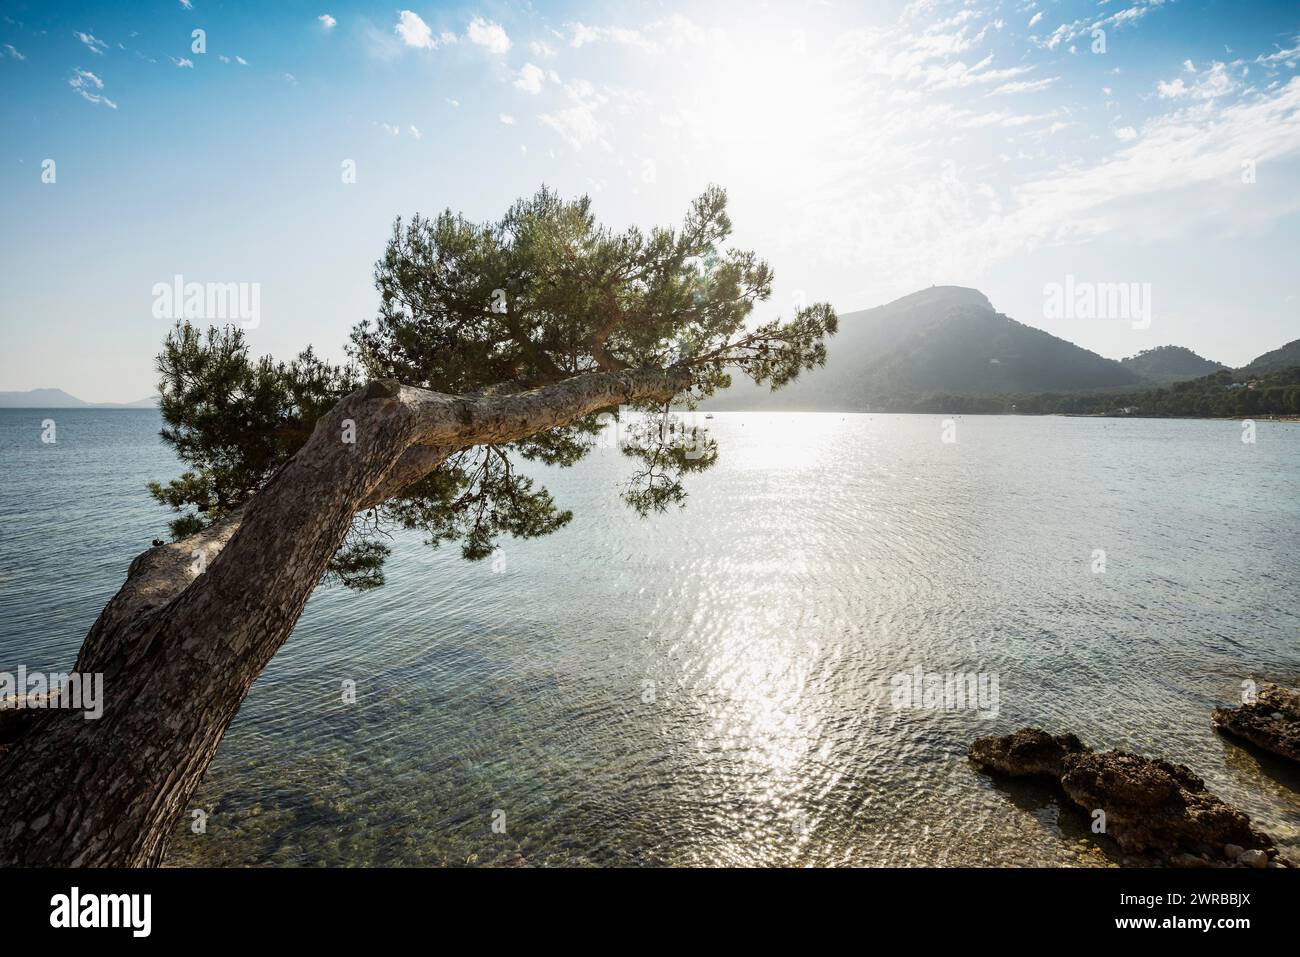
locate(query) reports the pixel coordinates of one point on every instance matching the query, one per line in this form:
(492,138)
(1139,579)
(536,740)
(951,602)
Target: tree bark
(196,621)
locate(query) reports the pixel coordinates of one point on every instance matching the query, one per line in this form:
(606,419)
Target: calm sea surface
(713,686)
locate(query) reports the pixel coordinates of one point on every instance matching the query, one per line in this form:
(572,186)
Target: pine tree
(494,343)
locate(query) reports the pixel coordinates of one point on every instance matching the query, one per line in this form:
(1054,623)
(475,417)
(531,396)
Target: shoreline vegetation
(1221,395)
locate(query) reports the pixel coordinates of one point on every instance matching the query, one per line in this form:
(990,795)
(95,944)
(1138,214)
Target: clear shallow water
(713,686)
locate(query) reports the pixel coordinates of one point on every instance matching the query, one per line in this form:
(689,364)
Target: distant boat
(709,416)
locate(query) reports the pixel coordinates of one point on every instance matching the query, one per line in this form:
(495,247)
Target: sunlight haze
(868,150)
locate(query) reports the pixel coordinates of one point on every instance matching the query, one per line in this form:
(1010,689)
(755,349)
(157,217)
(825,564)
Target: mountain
(945,339)
(1281,358)
(58,399)
(1164,365)
(40,399)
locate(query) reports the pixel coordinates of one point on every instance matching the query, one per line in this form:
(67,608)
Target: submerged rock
(1272,722)
(1029,752)
(1151,807)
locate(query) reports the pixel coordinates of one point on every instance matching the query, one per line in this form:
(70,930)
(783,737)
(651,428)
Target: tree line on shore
(1223,394)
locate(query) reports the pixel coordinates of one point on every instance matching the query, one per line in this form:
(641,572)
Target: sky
(869,149)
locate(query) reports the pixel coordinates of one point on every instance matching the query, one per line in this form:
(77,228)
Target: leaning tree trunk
(182,642)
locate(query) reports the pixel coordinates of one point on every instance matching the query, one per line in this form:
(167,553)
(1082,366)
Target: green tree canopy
(541,295)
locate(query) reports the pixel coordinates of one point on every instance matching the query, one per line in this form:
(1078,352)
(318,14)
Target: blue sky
(869,149)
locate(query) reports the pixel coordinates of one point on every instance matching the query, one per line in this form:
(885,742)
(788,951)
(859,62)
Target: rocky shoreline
(1271,721)
(1153,809)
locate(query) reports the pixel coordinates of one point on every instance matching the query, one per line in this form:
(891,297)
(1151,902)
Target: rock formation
(1272,722)
(1152,808)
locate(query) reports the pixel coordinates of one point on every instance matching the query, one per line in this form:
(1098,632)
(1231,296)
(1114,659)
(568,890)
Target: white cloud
(507,119)
(1067,32)
(414,31)
(1289,57)
(1203,147)
(578,125)
(901,56)
(182,62)
(1024,86)
(187,4)
(452,102)
(871,152)
(956,20)
(1035,18)
(530,79)
(1172,89)
(1211,83)
(94,45)
(12,52)
(87,86)
(241,61)
(958,75)
(868,116)
(415,131)
(486,33)
(580,35)
(673,31)
(936,43)
(327,22)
